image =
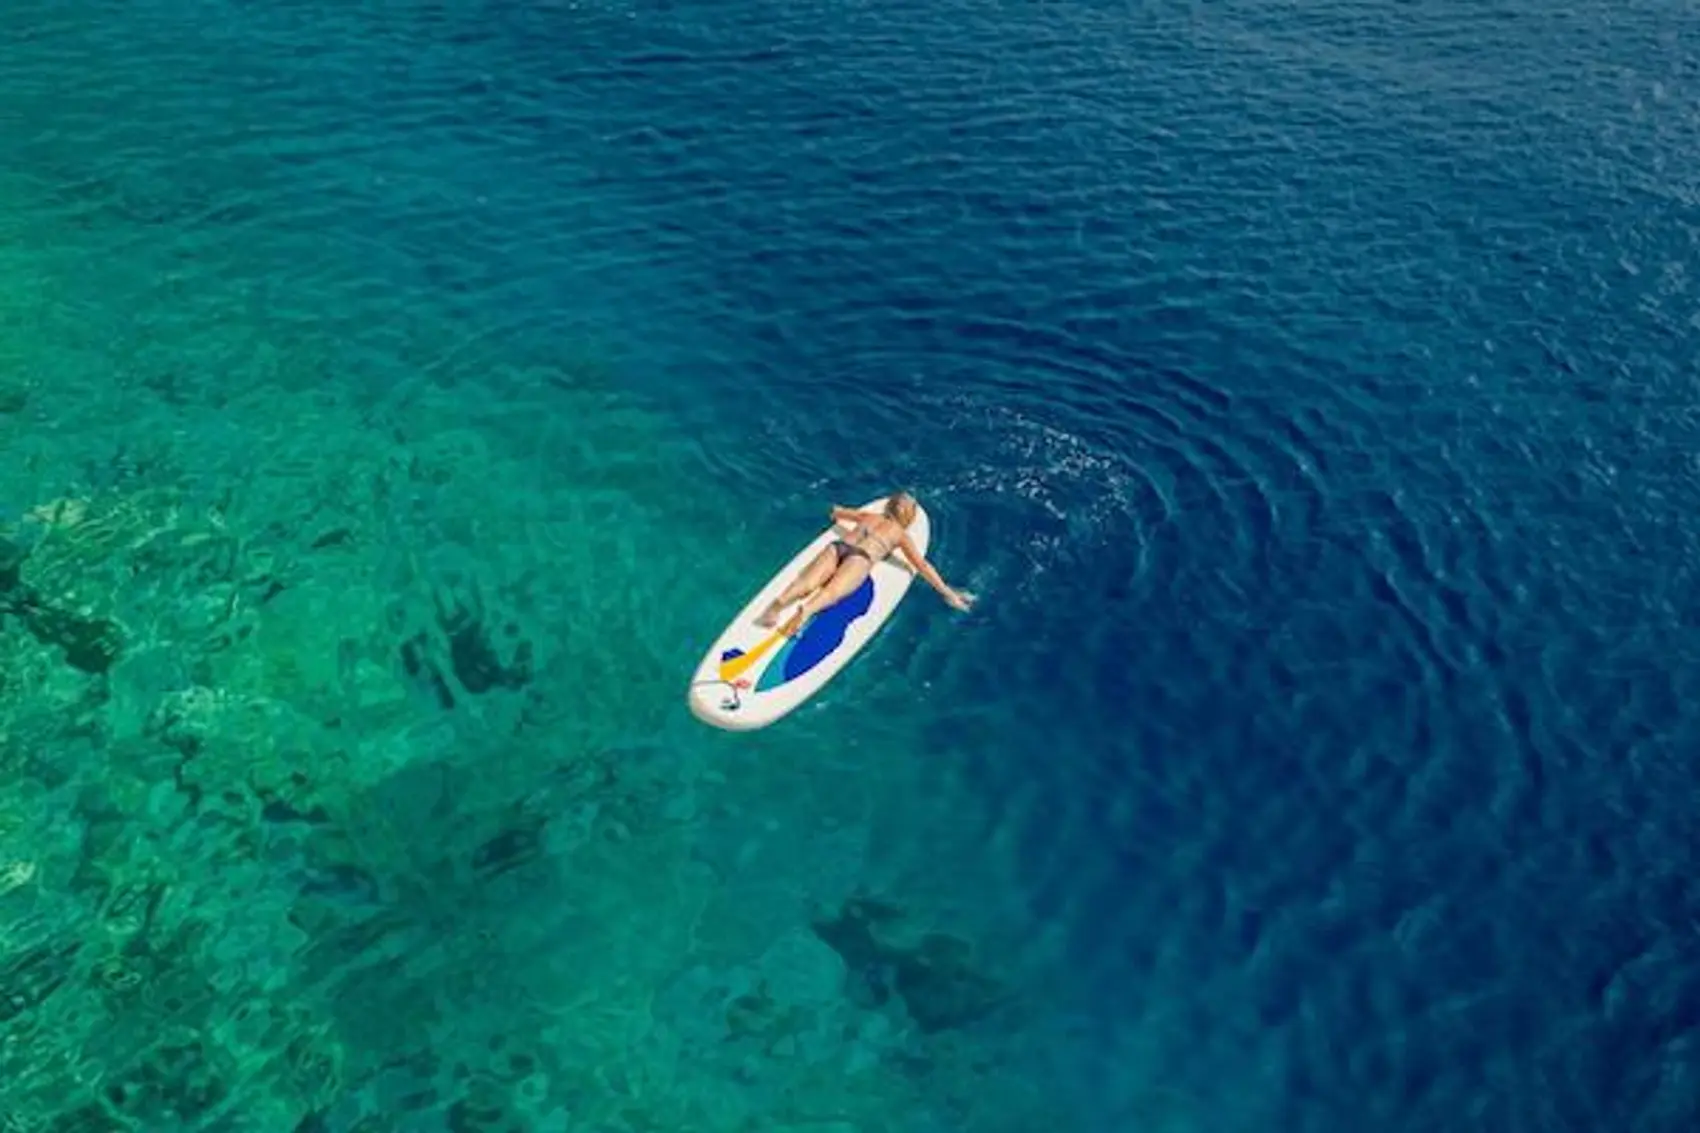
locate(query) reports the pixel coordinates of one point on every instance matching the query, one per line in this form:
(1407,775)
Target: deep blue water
(1306,390)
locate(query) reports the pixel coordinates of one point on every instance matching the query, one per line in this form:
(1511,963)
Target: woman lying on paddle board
(837,571)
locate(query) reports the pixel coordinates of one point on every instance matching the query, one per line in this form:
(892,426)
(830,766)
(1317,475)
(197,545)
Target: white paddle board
(752,676)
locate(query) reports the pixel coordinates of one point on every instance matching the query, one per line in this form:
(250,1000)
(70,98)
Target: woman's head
(902,507)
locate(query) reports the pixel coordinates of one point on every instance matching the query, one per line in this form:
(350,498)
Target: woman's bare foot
(767,617)
(793,623)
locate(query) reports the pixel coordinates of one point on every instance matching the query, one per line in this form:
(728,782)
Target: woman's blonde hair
(900,501)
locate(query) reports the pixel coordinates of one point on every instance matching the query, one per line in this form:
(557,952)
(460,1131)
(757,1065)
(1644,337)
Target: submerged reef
(347,787)
(330,808)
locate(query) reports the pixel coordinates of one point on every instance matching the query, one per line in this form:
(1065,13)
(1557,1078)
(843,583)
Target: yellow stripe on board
(738,666)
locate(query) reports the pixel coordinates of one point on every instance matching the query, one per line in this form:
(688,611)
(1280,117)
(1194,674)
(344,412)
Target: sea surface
(397,398)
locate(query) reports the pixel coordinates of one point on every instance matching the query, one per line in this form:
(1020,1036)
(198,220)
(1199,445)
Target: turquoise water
(348,430)
(395,400)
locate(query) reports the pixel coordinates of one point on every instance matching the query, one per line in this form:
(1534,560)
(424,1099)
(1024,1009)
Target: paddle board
(752,676)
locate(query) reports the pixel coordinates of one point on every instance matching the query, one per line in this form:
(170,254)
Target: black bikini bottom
(845,549)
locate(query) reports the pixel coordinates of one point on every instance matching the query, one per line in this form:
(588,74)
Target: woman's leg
(810,579)
(843,581)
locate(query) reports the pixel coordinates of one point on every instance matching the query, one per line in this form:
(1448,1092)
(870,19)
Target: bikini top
(863,531)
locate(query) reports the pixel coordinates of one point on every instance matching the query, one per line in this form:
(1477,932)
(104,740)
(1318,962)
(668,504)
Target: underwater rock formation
(461,651)
(87,644)
(933,973)
(90,644)
(12,556)
(13,398)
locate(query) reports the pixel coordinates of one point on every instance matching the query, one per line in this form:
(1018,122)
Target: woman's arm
(925,570)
